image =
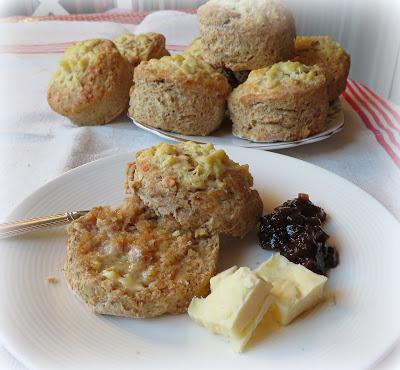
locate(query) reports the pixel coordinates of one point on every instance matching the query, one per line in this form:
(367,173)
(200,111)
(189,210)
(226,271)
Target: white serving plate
(47,327)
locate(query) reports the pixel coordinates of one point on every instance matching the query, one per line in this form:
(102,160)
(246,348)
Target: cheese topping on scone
(325,52)
(319,49)
(81,59)
(145,46)
(284,73)
(196,48)
(183,64)
(196,166)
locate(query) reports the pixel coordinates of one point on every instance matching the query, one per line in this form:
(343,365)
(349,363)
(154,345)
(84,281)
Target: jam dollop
(294,229)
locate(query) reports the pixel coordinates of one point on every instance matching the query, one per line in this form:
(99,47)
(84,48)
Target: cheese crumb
(52,280)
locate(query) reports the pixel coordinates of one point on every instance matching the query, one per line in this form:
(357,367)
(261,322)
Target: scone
(286,101)
(196,48)
(145,46)
(179,93)
(330,56)
(198,185)
(91,85)
(128,262)
(245,35)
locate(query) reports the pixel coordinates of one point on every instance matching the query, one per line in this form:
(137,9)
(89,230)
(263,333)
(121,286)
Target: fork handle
(38,223)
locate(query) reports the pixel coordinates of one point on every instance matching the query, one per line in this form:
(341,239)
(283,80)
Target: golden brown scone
(245,35)
(91,84)
(286,101)
(128,262)
(198,185)
(196,48)
(140,47)
(330,56)
(179,93)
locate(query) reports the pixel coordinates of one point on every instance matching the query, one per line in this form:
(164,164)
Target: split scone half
(140,47)
(179,93)
(286,101)
(330,56)
(200,186)
(129,262)
(91,85)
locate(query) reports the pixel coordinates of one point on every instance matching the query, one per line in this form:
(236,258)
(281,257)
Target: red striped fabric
(382,127)
(385,104)
(363,91)
(377,117)
(56,48)
(129,17)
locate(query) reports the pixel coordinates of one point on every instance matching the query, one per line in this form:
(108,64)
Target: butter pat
(295,288)
(237,303)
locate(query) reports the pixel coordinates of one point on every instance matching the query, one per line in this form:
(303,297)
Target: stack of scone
(281,101)
(159,249)
(188,93)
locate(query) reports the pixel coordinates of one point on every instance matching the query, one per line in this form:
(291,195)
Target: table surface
(37,145)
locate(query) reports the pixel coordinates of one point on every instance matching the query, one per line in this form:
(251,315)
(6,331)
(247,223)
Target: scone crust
(330,56)
(91,85)
(141,47)
(292,106)
(196,48)
(170,270)
(184,70)
(224,203)
(243,37)
(180,94)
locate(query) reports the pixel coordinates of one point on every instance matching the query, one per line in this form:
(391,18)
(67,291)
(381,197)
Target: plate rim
(54,182)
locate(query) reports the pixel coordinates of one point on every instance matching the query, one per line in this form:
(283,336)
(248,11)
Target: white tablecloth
(36,144)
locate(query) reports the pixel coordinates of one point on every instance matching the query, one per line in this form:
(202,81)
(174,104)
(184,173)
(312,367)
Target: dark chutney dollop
(294,229)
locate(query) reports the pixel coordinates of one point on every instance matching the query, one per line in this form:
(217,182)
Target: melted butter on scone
(196,166)
(126,258)
(284,73)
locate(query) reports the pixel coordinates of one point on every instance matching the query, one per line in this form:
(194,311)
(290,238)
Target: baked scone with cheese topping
(179,93)
(200,186)
(129,262)
(286,101)
(91,85)
(245,35)
(140,47)
(330,56)
(235,78)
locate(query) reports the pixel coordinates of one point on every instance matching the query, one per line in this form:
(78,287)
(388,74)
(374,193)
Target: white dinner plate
(47,327)
(224,136)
